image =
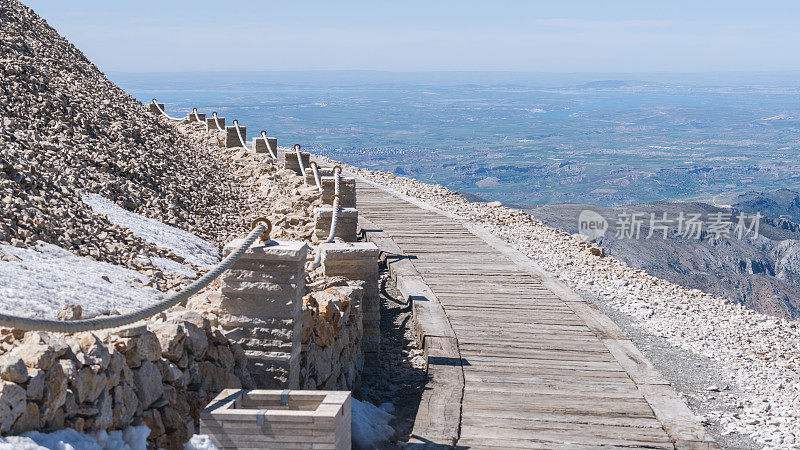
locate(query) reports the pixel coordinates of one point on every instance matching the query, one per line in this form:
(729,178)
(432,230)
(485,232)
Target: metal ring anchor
(297,147)
(334,197)
(337,167)
(264,237)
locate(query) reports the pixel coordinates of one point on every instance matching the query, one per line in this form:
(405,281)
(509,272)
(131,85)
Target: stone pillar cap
(273,250)
(354,248)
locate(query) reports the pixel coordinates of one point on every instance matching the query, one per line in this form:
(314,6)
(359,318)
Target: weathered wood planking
(539,368)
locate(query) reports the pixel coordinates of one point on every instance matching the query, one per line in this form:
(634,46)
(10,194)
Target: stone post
(322,171)
(345,227)
(232,139)
(212,126)
(154,109)
(347,191)
(290,160)
(201,117)
(260,145)
(260,308)
(359,261)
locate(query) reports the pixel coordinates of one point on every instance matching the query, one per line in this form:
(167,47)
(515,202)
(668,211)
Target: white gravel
(761,351)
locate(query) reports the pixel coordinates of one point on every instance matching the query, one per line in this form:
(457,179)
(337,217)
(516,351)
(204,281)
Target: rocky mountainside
(762,273)
(780,203)
(66,130)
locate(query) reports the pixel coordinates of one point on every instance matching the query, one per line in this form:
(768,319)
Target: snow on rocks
(370,425)
(200,442)
(39,281)
(759,351)
(184,244)
(131,438)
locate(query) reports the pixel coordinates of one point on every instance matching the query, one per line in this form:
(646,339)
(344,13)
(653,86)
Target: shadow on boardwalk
(400,378)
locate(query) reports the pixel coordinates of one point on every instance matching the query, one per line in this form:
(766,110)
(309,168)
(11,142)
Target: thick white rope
(336,209)
(300,161)
(216,121)
(164,113)
(101,323)
(239,133)
(269,147)
(197,116)
(314,168)
(334,220)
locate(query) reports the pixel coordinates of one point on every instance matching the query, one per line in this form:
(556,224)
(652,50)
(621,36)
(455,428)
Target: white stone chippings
(759,351)
(47,277)
(184,244)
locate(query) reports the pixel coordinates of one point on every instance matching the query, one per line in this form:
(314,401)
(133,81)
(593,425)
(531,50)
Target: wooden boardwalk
(513,360)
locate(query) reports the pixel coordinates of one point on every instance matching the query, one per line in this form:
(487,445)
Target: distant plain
(524,139)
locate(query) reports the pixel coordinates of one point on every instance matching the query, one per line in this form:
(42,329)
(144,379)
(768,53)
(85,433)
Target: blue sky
(537,36)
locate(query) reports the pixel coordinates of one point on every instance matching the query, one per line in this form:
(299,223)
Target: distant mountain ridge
(762,273)
(780,203)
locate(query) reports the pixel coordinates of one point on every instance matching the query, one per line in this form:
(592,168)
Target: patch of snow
(49,277)
(200,442)
(184,244)
(370,427)
(132,438)
(167,265)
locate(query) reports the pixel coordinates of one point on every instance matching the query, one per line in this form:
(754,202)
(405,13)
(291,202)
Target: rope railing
(314,168)
(155,102)
(216,121)
(100,323)
(336,199)
(269,146)
(239,133)
(300,161)
(196,116)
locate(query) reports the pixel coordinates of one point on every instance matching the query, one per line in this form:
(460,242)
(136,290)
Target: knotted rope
(158,107)
(100,323)
(269,146)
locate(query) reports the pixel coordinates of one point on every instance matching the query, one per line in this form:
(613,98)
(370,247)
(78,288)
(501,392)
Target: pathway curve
(515,358)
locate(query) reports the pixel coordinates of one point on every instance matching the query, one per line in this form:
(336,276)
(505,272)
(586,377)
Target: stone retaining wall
(163,375)
(331,356)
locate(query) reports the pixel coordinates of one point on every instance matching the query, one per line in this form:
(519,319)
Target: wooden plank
(438,418)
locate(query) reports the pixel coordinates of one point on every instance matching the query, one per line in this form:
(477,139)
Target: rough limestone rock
(147,380)
(88,384)
(13,368)
(12,404)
